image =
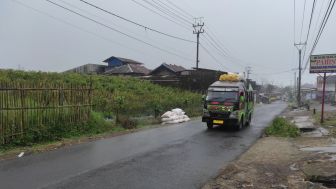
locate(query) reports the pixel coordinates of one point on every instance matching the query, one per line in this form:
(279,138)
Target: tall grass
(115,94)
(113,97)
(281,127)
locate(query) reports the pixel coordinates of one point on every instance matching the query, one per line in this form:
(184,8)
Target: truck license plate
(218,121)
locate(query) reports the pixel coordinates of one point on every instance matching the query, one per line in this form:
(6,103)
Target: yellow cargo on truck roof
(229,77)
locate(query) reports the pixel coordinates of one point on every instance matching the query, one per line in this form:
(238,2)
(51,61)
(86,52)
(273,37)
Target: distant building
(114,61)
(128,69)
(115,66)
(88,69)
(330,88)
(124,66)
(199,79)
(188,79)
(167,70)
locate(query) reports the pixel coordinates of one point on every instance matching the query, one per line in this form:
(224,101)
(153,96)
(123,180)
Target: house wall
(88,69)
(162,71)
(330,83)
(195,80)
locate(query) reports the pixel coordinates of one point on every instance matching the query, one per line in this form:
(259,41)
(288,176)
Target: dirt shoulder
(275,162)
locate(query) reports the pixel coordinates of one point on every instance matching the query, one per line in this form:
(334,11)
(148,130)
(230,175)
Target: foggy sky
(259,33)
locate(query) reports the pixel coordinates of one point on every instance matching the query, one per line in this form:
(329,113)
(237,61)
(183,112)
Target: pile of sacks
(176,115)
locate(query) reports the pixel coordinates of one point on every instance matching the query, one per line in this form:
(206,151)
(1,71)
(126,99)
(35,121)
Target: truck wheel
(248,123)
(240,125)
(209,125)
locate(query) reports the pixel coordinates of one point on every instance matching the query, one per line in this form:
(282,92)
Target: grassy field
(133,101)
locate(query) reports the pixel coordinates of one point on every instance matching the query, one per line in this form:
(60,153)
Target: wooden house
(167,70)
(124,66)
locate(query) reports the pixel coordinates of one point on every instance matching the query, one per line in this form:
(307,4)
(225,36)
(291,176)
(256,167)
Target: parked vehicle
(229,101)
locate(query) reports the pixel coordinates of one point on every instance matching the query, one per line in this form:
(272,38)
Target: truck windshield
(222,96)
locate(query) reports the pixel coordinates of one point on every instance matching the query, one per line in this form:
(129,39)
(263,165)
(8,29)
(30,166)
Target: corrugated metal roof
(174,68)
(129,69)
(139,69)
(125,60)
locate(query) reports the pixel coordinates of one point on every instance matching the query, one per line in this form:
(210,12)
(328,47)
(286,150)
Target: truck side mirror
(241,96)
(203,98)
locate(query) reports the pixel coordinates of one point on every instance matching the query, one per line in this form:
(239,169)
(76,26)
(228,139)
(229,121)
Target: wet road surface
(178,156)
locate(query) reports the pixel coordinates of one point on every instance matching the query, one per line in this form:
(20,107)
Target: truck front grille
(220,115)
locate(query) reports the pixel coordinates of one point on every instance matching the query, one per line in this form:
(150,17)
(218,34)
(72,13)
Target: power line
(220,51)
(119,26)
(166,9)
(185,12)
(135,23)
(210,44)
(115,30)
(322,26)
(316,25)
(220,44)
(210,39)
(164,6)
(294,26)
(72,25)
(212,56)
(310,22)
(177,11)
(303,18)
(163,11)
(225,51)
(213,42)
(319,16)
(216,45)
(280,72)
(165,17)
(311,18)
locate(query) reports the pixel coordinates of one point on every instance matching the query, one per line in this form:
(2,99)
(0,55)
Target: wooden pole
(323,94)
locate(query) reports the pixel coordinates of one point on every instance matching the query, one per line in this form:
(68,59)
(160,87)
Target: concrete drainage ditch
(329,182)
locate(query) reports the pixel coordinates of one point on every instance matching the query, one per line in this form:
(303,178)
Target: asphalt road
(177,156)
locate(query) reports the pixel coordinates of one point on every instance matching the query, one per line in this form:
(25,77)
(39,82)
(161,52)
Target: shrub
(126,122)
(281,127)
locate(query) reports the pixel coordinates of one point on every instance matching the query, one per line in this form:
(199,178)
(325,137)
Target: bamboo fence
(35,106)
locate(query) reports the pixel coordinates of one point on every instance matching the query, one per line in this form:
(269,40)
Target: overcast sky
(256,33)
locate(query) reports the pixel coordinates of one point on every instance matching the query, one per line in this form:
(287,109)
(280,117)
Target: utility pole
(198,29)
(299,47)
(248,72)
(294,88)
(323,97)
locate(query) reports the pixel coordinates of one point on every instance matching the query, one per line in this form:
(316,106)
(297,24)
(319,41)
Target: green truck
(228,103)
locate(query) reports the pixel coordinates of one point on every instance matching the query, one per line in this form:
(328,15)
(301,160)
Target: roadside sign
(324,63)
